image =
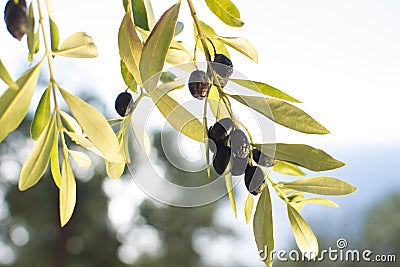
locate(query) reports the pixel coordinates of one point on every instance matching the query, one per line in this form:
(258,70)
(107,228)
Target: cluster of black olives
(16,18)
(123,104)
(199,81)
(232,154)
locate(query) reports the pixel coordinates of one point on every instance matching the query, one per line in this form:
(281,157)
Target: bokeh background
(341,58)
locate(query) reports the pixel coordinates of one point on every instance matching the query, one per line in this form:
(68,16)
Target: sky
(340,58)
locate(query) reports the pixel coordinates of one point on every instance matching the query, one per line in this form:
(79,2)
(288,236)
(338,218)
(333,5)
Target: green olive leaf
(71,123)
(42,115)
(150,14)
(140,14)
(54,35)
(209,31)
(248,207)
(115,170)
(95,126)
(283,113)
(265,89)
(35,166)
(305,238)
(240,44)
(263,226)
(301,155)
(5,76)
(128,77)
(78,45)
(84,142)
(231,194)
(142,138)
(284,167)
(320,201)
(226,11)
(322,185)
(130,47)
(156,48)
(216,104)
(14,104)
(55,163)
(82,159)
(31,32)
(178,116)
(67,192)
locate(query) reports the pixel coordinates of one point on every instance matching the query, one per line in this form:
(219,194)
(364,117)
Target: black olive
(223,67)
(221,129)
(254,179)
(240,144)
(199,85)
(123,104)
(262,159)
(239,165)
(222,160)
(16,18)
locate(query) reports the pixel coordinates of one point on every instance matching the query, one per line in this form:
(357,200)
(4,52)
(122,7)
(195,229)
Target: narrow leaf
(80,158)
(226,11)
(248,207)
(71,123)
(283,113)
(156,48)
(31,32)
(14,104)
(78,45)
(322,185)
(5,76)
(178,116)
(287,168)
(231,194)
(320,201)
(115,170)
(95,126)
(142,138)
(67,192)
(305,238)
(263,226)
(240,44)
(128,77)
(301,155)
(209,31)
(216,104)
(140,14)
(265,89)
(54,35)
(42,115)
(54,163)
(84,142)
(150,14)
(36,164)
(130,46)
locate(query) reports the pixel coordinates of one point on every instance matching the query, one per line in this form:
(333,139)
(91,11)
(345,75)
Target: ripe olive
(199,85)
(223,66)
(239,165)
(222,160)
(254,179)
(240,144)
(123,104)
(221,129)
(262,159)
(16,18)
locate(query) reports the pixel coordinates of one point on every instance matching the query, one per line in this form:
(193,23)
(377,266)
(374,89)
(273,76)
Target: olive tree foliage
(145,45)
